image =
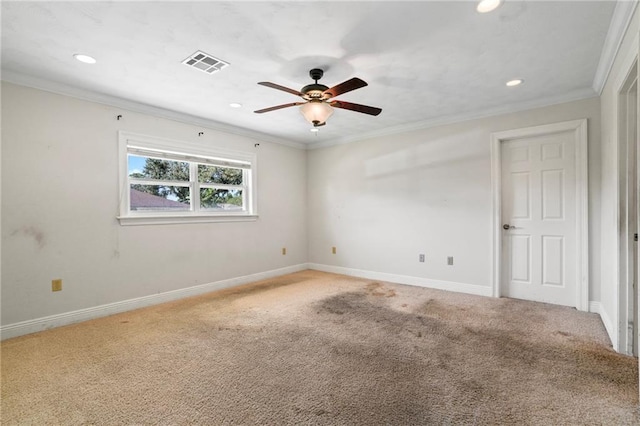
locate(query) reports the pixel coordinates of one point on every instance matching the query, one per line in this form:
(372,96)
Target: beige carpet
(316,348)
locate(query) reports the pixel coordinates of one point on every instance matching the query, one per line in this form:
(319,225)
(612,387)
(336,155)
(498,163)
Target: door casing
(628,210)
(579,128)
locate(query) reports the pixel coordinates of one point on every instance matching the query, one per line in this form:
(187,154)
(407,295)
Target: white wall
(60,202)
(383,201)
(610,178)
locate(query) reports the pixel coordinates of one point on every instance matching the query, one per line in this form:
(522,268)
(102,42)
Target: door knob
(506,226)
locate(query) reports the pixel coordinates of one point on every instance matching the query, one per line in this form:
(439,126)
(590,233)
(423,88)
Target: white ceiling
(426,62)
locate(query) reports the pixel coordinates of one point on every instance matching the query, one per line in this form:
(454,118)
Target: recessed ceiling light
(85,58)
(515,82)
(235,105)
(485,6)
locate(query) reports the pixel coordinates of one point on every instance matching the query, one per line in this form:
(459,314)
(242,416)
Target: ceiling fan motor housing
(315,90)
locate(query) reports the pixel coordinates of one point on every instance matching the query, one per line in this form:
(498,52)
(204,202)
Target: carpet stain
(378,290)
(452,340)
(373,286)
(347,357)
(434,308)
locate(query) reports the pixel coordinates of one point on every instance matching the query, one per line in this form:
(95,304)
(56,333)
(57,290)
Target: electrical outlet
(450,260)
(421,258)
(333,250)
(56,285)
(284,251)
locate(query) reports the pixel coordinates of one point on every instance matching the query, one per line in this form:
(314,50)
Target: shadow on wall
(447,172)
(434,154)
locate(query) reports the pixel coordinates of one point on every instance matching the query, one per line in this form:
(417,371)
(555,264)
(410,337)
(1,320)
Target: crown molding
(101,98)
(458,118)
(114,101)
(620,22)
(66,90)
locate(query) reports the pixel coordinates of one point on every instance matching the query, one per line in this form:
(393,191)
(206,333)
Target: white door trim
(626,210)
(615,281)
(579,127)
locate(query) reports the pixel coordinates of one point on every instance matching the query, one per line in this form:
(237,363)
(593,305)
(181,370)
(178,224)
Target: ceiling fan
(318,106)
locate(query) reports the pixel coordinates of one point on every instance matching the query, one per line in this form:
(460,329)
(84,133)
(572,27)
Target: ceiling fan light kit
(316,112)
(317,108)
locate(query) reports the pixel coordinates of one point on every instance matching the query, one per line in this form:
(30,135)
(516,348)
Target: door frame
(579,128)
(626,211)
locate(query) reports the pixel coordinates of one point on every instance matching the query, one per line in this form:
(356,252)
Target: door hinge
(635,237)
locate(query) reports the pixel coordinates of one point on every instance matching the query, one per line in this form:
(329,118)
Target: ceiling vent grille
(205,62)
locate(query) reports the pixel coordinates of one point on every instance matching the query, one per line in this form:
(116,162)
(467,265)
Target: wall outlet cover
(56,285)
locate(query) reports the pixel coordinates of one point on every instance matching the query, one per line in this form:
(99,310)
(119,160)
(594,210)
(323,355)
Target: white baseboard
(39,324)
(405,279)
(596,308)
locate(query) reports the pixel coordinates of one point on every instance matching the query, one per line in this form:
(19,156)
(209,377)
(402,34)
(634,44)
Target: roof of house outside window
(143,201)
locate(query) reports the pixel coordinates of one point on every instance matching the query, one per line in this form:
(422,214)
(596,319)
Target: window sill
(172,220)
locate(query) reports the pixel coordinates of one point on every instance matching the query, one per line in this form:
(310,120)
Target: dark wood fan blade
(344,87)
(273,108)
(356,107)
(277,86)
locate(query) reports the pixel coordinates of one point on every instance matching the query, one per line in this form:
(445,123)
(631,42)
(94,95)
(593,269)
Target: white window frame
(194,153)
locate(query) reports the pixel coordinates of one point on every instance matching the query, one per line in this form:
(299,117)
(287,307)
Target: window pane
(159,198)
(217,174)
(221,199)
(155,168)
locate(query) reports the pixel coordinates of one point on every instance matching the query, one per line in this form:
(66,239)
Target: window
(164,181)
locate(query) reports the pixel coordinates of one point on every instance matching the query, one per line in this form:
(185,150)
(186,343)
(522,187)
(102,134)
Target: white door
(539,213)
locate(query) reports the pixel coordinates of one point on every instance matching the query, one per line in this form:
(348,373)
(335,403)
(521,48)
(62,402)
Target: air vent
(205,62)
